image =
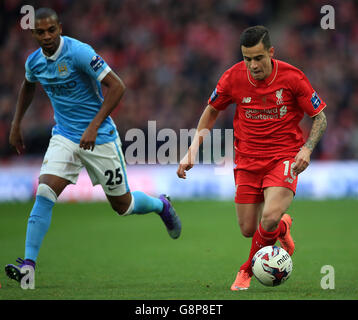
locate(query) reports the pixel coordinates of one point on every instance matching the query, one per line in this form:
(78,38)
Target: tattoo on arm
(318,128)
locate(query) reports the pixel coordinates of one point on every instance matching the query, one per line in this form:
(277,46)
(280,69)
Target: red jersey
(268,112)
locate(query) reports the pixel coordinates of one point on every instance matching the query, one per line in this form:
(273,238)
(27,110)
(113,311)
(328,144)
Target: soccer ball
(272,265)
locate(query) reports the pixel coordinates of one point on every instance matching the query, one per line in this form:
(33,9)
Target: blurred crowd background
(171,53)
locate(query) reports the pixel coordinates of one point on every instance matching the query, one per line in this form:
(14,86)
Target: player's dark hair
(44,13)
(254,35)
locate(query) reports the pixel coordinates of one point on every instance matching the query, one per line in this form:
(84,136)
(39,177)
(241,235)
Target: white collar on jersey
(57,53)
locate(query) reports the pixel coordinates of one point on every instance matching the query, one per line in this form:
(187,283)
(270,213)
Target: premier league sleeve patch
(214,95)
(315,100)
(96,63)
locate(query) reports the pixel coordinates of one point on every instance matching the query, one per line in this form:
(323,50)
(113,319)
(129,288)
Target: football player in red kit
(271,98)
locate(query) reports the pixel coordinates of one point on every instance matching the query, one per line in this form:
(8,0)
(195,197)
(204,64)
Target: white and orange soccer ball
(272,265)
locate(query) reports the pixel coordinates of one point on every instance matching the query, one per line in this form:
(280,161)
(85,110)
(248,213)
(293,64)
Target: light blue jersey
(71,78)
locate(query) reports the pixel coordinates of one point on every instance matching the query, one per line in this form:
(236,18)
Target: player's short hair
(254,35)
(44,13)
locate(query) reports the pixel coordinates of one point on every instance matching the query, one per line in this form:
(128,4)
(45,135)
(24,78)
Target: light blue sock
(38,224)
(144,204)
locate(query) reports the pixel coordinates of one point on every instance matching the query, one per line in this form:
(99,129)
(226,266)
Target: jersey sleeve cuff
(29,80)
(319,111)
(217,107)
(104,73)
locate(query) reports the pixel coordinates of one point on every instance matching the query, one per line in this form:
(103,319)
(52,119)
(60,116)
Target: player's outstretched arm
(303,156)
(206,123)
(113,95)
(24,100)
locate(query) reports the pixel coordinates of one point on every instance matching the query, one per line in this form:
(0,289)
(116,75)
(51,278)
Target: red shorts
(253,175)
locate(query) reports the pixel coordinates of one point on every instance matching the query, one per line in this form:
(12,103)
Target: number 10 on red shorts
(253,175)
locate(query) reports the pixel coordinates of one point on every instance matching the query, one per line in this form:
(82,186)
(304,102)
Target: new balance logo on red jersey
(246,100)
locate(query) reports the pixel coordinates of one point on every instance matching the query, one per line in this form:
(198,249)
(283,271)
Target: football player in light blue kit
(71,73)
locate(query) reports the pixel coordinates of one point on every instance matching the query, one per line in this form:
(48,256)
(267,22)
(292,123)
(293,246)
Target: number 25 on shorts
(114,177)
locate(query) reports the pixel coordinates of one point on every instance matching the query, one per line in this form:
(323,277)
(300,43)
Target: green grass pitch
(92,253)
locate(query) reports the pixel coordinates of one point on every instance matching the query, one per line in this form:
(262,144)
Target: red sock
(262,238)
(282,227)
